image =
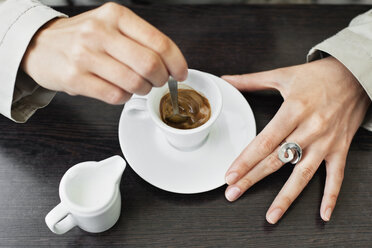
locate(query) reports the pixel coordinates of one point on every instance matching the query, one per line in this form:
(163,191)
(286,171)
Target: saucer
(156,161)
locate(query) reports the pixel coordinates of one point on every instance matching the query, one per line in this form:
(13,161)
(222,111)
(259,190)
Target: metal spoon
(173,90)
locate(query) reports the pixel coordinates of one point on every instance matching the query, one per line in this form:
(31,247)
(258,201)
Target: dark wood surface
(219,40)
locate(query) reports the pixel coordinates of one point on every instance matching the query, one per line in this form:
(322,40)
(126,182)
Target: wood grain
(220,40)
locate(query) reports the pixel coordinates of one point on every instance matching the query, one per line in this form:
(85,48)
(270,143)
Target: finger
(118,74)
(335,166)
(141,31)
(140,59)
(301,175)
(267,166)
(255,81)
(302,136)
(92,86)
(282,124)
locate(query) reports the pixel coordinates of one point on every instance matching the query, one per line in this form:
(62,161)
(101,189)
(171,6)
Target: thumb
(254,81)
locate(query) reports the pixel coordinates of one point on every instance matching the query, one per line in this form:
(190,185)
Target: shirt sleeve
(352,46)
(20,96)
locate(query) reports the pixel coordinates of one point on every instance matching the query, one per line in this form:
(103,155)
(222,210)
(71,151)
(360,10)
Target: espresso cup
(183,139)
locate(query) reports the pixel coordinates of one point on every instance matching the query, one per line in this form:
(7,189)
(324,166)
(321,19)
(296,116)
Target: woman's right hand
(107,53)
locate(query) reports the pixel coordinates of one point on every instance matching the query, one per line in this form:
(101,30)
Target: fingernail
(232,193)
(274,216)
(327,214)
(231,178)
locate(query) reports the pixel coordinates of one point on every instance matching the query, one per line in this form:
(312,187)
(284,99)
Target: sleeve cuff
(21,26)
(28,97)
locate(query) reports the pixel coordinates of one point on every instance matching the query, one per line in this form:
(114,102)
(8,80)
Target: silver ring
(290,152)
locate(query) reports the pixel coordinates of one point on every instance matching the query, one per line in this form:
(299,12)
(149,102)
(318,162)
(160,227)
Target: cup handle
(135,104)
(59,220)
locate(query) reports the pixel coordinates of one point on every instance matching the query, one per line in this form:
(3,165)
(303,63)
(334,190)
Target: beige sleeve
(20,96)
(352,46)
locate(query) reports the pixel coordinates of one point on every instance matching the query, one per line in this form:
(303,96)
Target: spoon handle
(173,89)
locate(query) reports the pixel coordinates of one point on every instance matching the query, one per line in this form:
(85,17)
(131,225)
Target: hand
(323,107)
(107,53)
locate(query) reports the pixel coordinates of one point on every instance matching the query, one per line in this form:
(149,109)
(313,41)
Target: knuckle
(243,163)
(151,64)
(79,55)
(265,145)
(71,78)
(163,80)
(110,5)
(161,43)
(164,45)
(287,200)
(116,96)
(89,28)
(319,120)
(110,8)
(332,197)
(112,12)
(246,182)
(301,105)
(135,84)
(306,173)
(316,128)
(273,163)
(298,106)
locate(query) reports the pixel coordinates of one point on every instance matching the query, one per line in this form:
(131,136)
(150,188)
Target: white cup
(183,139)
(90,197)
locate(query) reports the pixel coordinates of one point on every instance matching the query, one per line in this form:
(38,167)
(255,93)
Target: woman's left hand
(323,107)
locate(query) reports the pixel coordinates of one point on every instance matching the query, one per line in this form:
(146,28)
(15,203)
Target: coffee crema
(191,103)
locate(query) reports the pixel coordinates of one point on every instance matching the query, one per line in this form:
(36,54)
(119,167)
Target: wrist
(333,65)
(40,39)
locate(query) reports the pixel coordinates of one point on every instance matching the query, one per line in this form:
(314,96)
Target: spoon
(173,90)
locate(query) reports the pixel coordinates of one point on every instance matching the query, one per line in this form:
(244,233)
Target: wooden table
(219,40)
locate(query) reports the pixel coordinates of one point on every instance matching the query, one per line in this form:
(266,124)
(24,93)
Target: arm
(325,102)
(352,47)
(20,97)
(108,53)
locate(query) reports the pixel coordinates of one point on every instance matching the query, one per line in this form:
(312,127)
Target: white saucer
(160,164)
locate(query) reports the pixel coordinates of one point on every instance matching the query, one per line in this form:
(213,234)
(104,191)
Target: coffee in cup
(182,139)
(191,104)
